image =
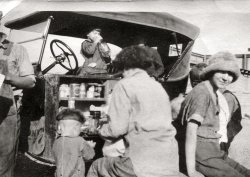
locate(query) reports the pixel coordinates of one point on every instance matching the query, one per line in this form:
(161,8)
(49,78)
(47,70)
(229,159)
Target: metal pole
(30,40)
(45,35)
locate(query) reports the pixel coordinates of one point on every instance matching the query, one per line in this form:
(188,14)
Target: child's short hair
(70,114)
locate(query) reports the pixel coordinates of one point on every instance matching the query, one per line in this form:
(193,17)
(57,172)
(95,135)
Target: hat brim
(229,66)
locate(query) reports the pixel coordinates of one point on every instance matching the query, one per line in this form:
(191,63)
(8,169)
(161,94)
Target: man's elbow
(30,83)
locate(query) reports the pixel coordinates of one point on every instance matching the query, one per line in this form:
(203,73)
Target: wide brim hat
(222,61)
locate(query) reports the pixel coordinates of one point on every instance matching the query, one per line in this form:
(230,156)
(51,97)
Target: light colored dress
(140,112)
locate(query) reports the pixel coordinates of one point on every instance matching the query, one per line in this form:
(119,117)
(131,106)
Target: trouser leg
(217,167)
(240,168)
(112,167)
(8,145)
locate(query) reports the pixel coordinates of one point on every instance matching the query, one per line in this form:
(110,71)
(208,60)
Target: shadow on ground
(28,168)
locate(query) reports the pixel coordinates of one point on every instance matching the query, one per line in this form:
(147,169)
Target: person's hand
(91,143)
(97,38)
(104,119)
(196,174)
(84,128)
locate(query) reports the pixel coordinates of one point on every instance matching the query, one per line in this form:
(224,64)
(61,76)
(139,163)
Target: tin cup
(74,90)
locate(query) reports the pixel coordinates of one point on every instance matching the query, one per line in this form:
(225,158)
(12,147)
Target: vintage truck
(48,30)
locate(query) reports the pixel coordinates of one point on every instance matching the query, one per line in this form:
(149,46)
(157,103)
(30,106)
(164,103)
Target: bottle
(71,103)
(62,91)
(67,90)
(82,90)
(90,92)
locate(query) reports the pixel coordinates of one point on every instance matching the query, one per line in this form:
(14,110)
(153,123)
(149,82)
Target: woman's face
(221,79)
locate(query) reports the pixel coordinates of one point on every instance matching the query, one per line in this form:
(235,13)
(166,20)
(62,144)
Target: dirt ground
(240,147)
(28,168)
(239,150)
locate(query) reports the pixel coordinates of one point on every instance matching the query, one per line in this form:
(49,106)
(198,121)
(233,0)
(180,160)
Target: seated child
(69,149)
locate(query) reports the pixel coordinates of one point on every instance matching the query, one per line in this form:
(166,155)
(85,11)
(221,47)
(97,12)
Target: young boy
(96,53)
(69,149)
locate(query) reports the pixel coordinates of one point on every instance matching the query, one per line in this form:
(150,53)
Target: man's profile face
(2,35)
(92,35)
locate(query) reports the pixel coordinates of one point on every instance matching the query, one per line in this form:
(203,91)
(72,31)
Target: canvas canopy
(119,28)
(163,21)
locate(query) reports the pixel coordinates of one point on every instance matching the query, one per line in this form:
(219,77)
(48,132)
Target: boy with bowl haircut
(69,149)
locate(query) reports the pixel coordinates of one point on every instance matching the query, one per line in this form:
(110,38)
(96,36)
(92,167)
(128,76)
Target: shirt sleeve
(88,48)
(104,49)
(195,105)
(119,112)
(87,151)
(25,66)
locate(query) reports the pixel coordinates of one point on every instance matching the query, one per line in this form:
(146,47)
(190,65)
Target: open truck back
(172,37)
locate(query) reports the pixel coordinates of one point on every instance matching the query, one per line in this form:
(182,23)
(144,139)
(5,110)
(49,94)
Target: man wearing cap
(205,121)
(16,72)
(96,53)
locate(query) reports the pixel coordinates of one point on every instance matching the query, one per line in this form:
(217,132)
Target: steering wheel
(65,58)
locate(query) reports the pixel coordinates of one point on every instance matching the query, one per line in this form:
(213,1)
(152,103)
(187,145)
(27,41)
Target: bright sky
(224,24)
(7,5)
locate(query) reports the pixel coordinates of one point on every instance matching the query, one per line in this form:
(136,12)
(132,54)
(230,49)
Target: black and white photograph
(124,88)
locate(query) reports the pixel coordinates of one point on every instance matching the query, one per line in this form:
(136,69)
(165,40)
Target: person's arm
(26,78)
(20,82)
(119,113)
(88,47)
(190,147)
(88,152)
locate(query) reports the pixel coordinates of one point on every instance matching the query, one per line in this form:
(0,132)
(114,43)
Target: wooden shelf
(84,99)
(53,102)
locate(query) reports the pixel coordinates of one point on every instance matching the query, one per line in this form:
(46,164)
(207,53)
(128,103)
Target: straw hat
(222,61)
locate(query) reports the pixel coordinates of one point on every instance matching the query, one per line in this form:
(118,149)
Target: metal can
(82,90)
(74,90)
(63,91)
(67,90)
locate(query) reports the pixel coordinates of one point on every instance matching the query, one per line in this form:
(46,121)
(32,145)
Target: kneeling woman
(139,113)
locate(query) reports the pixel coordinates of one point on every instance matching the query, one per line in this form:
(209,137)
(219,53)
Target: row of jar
(83,90)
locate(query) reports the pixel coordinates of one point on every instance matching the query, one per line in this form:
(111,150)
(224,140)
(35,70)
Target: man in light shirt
(17,72)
